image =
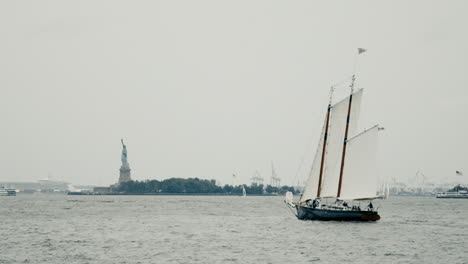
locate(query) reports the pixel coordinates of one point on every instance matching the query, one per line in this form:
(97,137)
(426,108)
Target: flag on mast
(459,173)
(361,50)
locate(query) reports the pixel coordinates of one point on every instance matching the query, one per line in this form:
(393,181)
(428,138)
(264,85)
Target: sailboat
(384,191)
(343,172)
(244,193)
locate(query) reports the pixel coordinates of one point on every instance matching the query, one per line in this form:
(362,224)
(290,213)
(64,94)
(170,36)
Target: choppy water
(213,229)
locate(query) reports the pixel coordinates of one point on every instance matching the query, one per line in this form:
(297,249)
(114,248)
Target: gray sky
(211,88)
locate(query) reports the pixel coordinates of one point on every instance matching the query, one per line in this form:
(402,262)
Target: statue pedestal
(125,174)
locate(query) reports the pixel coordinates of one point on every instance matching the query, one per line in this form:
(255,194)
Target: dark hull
(453,197)
(307,213)
(8,193)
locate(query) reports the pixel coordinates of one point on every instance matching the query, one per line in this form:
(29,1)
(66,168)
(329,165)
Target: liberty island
(178,186)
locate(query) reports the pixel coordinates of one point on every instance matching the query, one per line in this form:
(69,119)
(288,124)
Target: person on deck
(315,203)
(370,207)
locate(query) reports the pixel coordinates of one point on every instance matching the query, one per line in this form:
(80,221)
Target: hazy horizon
(208,89)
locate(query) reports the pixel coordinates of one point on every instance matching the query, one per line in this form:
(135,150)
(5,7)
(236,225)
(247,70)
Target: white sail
(360,179)
(310,189)
(384,190)
(244,193)
(334,148)
(387,190)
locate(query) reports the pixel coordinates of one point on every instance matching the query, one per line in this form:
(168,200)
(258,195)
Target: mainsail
(334,147)
(336,129)
(360,180)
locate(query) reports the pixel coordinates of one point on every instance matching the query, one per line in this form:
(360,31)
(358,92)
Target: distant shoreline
(169,194)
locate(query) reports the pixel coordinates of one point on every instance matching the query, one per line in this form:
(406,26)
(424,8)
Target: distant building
(52,185)
(125,170)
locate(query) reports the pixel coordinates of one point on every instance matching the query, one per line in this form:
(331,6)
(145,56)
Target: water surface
(42,228)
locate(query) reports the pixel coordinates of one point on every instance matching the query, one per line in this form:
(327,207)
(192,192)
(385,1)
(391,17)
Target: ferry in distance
(453,195)
(7,191)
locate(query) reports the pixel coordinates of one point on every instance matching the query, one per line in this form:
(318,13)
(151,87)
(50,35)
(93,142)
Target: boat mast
(346,136)
(324,143)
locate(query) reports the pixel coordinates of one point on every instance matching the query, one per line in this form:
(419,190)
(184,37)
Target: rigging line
(343,81)
(296,176)
(291,209)
(361,133)
(355,63)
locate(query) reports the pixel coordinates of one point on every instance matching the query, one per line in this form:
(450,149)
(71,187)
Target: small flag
(361,50)
(459,173)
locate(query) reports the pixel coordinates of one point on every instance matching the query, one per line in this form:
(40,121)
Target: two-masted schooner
(344,170)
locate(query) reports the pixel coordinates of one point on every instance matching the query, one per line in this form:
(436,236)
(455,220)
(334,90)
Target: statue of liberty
(125,168)
(124,155)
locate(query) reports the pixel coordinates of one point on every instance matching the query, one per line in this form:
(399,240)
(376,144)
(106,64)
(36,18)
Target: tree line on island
(197,186)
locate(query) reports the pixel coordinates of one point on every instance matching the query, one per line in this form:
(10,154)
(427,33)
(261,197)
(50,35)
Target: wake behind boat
(343,172)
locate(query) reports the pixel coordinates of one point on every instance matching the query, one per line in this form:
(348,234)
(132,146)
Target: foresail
(310,189)
(360,179)
(335,140)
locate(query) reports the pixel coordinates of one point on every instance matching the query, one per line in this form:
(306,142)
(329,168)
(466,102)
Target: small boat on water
(457,192)
(7,191)
(244,193)
(343,173)
(453,195)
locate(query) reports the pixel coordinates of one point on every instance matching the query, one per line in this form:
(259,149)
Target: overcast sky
(211,88)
